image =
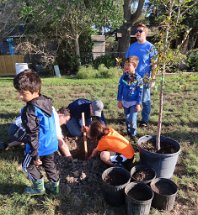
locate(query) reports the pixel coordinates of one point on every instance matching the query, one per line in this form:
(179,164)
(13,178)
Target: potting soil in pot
(166,148)
(143,175)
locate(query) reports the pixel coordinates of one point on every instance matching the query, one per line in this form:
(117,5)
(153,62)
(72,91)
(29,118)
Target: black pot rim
(153,183)
(154,153)
(131,185)
(138,167)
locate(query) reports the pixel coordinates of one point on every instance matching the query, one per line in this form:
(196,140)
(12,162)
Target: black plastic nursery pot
(138,198)
(165,192)
(115,180)
(163,163)
(142,173)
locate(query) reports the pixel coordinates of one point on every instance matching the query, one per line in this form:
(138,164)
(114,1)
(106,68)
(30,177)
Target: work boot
(53,187)
(37,187)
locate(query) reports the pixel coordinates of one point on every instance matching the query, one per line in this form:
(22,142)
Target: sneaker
(143,124)
(53,187)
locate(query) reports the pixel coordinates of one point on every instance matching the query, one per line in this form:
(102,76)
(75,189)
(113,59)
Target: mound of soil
(80,181)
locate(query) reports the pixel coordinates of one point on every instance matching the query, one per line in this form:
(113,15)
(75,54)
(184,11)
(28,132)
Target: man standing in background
(146,53)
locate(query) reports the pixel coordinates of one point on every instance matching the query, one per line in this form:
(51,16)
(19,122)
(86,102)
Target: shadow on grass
(7,188)
(189,137)
(120,121)
(4,132)
(15,153)
(8,115)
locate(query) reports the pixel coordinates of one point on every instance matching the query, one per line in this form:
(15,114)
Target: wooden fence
(7,64)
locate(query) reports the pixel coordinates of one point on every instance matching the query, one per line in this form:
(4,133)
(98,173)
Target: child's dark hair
(65,111)
(98,130)
(27,81)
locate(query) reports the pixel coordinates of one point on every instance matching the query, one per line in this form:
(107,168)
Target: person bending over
(114,149)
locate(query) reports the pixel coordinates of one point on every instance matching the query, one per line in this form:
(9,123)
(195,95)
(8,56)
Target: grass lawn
(180,121)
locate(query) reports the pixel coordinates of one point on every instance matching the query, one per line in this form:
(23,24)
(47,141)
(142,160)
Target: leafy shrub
(102,72)
(192,59)
(107,60)
(86,72)
(175,60)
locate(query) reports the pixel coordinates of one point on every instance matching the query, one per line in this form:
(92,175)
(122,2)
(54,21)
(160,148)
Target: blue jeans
(74,126)
(146,103)
(131,120)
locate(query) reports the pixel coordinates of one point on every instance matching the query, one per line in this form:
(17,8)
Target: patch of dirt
(80,180)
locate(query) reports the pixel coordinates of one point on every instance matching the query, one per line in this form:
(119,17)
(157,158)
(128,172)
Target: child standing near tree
(129,96)
(41,139)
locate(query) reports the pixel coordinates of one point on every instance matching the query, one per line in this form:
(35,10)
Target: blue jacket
(82,105)
(130,89)
(39,122)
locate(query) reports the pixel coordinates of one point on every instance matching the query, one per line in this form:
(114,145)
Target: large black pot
(138,198)
(115,180)
(165,192)
(163,164)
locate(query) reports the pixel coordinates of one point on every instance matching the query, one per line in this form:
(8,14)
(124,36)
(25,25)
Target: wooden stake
(84,135)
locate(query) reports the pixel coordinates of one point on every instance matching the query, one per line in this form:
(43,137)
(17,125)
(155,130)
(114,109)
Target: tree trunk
(166,29)
(77,49)
(161,104)
(124,41)
(125,29)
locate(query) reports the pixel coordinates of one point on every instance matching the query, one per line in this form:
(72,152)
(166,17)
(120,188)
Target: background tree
(66,20)
(9,16)
(186,13)
(170,20)
(132,11)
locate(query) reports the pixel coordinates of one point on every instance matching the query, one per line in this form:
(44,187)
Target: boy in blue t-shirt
(41,139)
(130,95)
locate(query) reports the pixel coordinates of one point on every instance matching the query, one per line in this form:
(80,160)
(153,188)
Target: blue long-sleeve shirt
(129,90)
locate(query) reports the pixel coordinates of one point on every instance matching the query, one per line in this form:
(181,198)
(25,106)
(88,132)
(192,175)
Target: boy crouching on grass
(41,138)
(115,150)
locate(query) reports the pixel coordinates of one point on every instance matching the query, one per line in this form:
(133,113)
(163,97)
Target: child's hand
(119,104)
(37,162)
(85,129)
(138,107)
